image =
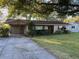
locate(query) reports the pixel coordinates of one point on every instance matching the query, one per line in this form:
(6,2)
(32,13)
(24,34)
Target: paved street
(22,48)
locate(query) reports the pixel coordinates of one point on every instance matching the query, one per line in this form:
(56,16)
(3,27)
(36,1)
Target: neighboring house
(21,26)
(73,27)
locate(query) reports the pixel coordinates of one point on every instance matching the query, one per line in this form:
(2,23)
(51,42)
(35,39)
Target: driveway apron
(22,48)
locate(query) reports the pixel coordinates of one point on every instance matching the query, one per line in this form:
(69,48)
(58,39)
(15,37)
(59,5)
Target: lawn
(64,46)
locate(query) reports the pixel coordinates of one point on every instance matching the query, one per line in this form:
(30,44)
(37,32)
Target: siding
(76,29)
(55,28)
(26,30)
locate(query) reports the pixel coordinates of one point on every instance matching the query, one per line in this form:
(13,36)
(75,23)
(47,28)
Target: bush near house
(40,32)
(4,30)
(30,28)
(63,30)
(59,31)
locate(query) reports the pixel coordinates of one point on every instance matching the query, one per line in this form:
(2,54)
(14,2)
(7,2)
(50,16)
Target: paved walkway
(21,48)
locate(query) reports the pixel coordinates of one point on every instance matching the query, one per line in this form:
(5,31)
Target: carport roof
(17,22)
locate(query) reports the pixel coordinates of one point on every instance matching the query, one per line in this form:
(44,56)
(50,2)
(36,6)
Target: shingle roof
(17,22)
(26,22)
(49,23)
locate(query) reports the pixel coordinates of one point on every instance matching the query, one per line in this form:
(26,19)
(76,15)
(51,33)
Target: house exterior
(73,27)
(21,26)
(17,26)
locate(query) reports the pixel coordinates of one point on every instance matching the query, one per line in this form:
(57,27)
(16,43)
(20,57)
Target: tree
(0,13)
(17,7)
(72,19)
(64,6)
(23,7)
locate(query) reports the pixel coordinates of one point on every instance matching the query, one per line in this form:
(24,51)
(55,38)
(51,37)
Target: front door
(51,29)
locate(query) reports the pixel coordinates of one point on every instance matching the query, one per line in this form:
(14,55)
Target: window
(39,27)
(46,28)
(73,27)
(59,27)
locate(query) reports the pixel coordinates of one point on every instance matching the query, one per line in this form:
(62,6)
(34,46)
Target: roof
(49,23)
(74,23)
(77,22)
(17,22)
(26,22)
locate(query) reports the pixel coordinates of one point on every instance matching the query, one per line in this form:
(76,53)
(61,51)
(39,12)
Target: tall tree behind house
(75,2)
(46,1)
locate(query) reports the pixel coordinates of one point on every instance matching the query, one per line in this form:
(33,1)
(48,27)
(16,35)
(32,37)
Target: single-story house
(21,26)
(73,27)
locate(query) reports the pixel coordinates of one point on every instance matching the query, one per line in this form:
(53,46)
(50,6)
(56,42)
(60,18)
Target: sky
(4,13)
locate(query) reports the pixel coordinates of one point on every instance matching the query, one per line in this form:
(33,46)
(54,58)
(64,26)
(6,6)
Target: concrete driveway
(22,48)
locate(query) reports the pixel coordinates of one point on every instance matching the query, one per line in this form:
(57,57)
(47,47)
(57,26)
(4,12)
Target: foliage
(64,2)
(40,32)
(73,19)
(76,18)
(59,32)
(4,30)
(26,7)
(53,16)
(6,26)
(0,13)
(30,28)
(35,6)
(63,30)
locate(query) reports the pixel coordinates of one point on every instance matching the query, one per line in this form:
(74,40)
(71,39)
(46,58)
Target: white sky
(4,13)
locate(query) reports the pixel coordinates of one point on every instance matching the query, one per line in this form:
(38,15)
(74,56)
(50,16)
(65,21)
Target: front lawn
(65,46)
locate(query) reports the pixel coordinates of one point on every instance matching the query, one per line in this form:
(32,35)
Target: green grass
(64,46)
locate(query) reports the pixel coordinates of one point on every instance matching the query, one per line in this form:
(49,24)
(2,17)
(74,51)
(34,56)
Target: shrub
(65,30)
(59,32)
(4,30)
(30,28)
(6,26)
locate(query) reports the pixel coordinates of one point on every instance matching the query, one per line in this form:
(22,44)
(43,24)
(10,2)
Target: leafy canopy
(36,7)
(26,7)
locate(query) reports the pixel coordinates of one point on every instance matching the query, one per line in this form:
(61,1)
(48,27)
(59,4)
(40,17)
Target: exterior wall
(17,29)
(73,27)
(55,28)
(26,30)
